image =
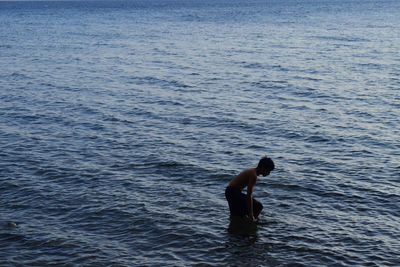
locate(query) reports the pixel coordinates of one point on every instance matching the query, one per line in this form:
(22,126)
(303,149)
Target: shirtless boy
(241,204)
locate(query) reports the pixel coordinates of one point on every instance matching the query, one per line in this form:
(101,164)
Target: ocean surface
(121,124)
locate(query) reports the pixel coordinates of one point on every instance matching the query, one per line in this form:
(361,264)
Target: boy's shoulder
(250,172)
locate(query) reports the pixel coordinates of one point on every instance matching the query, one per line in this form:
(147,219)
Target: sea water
(121,123)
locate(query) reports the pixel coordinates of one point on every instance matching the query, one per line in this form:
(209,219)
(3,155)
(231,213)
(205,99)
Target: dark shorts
(237,202)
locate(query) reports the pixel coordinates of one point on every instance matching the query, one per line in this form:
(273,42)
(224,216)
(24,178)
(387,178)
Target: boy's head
(265,166)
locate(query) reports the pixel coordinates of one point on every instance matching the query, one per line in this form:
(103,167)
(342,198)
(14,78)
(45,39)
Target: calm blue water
(121,123)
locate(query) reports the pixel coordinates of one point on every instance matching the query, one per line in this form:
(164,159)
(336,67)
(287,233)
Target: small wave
(19,76)
(344,39)
(254,66)
(317,139)
(270,84)
(11,237)
(156,81)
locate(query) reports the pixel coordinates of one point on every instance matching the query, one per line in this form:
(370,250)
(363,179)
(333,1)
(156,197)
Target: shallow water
(122,122)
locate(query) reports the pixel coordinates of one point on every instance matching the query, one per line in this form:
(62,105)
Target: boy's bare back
(243,179)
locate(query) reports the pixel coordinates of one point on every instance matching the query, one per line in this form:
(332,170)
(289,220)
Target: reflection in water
(244,245)
(242,226)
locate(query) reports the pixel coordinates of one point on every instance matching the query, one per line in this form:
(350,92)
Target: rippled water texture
(122,123)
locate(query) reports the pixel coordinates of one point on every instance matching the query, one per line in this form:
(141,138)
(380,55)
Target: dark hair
(266,163)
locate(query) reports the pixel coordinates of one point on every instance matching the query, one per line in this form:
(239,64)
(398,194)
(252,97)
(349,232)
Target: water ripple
(119,133)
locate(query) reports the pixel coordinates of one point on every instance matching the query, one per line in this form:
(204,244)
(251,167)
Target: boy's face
(265,172)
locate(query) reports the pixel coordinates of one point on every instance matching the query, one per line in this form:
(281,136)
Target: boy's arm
(249,196)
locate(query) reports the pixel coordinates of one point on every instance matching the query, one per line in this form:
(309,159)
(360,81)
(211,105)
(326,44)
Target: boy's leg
(236,202)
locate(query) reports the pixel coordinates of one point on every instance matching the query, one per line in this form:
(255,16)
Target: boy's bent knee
(257,206)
